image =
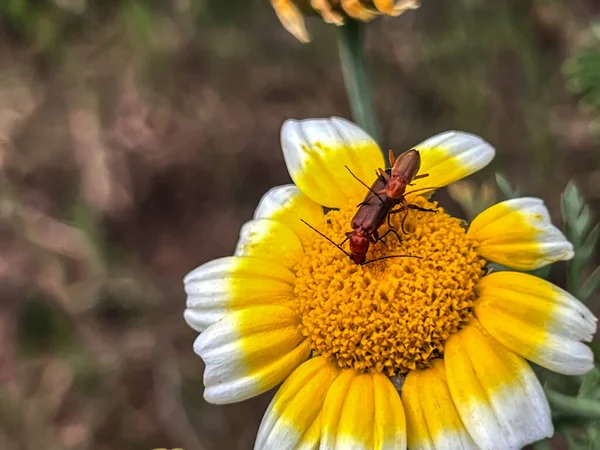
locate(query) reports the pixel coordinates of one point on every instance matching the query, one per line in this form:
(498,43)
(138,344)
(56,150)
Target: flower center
(391,315)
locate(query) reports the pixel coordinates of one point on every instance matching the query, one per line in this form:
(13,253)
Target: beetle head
(359,244)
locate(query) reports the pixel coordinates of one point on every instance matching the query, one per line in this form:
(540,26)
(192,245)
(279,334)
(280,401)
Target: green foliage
(506,188)
(583,72)
(583,234)
(575,401)
(578,417)
(42,328)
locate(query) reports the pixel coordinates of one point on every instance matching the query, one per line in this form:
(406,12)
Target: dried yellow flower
(290,12)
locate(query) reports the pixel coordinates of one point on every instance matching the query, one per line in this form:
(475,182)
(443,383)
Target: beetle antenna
(337,245)
(362,182)
(388,257)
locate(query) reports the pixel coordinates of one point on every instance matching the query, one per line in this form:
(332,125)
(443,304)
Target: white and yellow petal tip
(537,320)
(431,416)
(288,205)
(293,419)
(325,156)
(363,411)
(497,395)
(291,18)
(269,239)
(518,233)
(450,156)
(225,285)
(249,352)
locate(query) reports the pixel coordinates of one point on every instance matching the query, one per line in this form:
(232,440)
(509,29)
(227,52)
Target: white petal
(537,320)
(292,420)
(229,284)
(518,233)
(249,352)
(449,157)
(497,395)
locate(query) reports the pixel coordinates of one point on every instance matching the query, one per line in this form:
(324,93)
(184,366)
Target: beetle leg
(329,15)
(291,18)
(391,156)
(391,230)
(374,237)
(418,208)
(384,174)
(356,10)
(423,175)
(404,220)
(404,206)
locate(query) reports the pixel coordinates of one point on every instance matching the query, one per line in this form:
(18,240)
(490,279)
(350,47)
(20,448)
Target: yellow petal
(324,8)
(293,419)
(269,239)
(317,152)
(394,7)
(496,394)
(249,352)
(291,18)
(358,11)
(288,205)
(385,6)
(362,411)
(518,233)
(432,421)
(449,157)
(537,320)
(229,284)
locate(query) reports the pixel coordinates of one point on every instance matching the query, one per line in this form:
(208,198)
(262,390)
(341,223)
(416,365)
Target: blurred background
(137,136)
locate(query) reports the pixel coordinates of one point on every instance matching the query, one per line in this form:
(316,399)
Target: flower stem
(573,406)
(350,44)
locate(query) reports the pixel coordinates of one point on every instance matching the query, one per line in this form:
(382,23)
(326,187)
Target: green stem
(350,44)
(573,406)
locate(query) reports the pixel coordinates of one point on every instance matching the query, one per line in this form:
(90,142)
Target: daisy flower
(290,12)
(428,352)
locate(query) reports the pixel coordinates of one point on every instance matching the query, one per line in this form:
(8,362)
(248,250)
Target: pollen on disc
(393,315)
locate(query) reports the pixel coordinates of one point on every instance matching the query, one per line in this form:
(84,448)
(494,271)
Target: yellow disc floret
(392,315)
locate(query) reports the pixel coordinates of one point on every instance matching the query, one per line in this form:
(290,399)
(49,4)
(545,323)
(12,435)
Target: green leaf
(576,441)
(582,72)
(591,285)
(505,187)
(578,221)
(590,386)
(542,272)
(593,433)
(592,239)
(595,346)
(573,406)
